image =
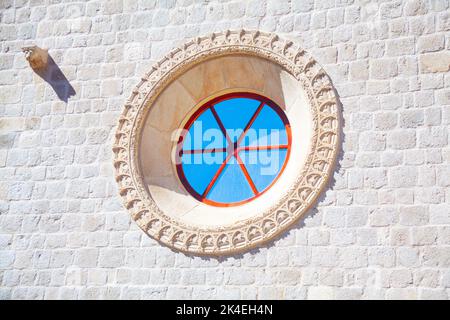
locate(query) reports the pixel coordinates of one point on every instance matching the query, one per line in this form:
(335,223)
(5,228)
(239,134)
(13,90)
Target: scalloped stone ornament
(187,77)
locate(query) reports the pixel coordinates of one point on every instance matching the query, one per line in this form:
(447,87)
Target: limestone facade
(380,230)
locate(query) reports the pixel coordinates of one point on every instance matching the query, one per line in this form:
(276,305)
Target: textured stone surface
(380,231)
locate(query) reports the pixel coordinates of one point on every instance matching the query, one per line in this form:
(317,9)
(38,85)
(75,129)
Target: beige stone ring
(253,62)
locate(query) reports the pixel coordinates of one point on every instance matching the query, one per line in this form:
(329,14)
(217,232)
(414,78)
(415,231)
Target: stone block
(431,43)
(434,62)
(401,139)
(413,215)
(383,68)
(111,258)
(400,47)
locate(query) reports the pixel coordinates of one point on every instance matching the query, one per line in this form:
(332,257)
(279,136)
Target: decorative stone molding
(299,196)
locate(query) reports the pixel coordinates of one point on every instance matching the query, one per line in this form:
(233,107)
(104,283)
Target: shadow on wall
(313,211)
(53,75)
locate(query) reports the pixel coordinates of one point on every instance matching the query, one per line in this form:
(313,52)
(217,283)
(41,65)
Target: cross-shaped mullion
(233,150)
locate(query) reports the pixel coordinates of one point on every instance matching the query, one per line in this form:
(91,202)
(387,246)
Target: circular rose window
(233,149)
(226,142)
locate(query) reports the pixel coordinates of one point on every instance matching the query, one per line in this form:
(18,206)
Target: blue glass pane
(235,114)
(263,166)
(204,133)
(199,169)
(231,186)
(268,129)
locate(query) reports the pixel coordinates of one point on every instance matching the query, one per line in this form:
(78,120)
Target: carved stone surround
(299,197)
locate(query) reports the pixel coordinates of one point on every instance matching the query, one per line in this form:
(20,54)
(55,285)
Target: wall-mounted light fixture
(45,67)
(37,57)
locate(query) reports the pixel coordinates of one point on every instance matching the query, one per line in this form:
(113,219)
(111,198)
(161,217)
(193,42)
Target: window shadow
(274,86)
(53,75)
(300,223)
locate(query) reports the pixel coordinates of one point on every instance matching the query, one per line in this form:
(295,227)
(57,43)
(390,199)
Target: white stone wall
(381,230)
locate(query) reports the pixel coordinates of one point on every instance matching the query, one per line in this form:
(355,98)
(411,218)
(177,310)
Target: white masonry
(381,229)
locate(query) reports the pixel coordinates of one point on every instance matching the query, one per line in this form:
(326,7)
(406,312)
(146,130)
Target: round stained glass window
(233,149)
(205,158)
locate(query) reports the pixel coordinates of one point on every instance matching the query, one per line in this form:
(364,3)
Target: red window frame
(233,148)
